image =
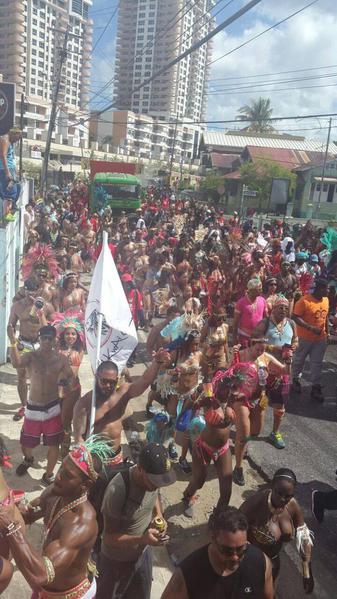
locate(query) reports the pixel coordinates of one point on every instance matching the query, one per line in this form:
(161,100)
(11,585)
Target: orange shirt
(314,312)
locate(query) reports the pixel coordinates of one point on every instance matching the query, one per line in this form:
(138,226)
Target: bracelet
(10,529)
(12,532)
(13,345)
(50,571)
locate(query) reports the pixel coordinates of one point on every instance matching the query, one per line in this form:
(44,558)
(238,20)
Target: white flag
(106,297)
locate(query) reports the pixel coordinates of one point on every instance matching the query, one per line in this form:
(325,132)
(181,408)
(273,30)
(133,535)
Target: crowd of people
(231,313)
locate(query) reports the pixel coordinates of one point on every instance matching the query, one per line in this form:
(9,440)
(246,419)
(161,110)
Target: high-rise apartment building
(150,34)
(31,35)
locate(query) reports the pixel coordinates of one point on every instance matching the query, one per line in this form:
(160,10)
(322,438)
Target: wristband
(12,345)
(50,571)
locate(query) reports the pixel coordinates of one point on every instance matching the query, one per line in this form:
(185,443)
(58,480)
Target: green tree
(32,171)
(210,184)
(259,176)
(258,112)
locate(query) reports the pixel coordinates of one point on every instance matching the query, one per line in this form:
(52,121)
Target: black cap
(155,461)
(47,331)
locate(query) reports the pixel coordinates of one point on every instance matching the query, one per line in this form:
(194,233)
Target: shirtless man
(111,401)
(30,319)
(47,370)
(70,530)
(46,289)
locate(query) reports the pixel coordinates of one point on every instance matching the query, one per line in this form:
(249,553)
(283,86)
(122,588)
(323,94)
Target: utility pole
(62,57)
(324,167)
(173,149)
(22,110)
(243,191)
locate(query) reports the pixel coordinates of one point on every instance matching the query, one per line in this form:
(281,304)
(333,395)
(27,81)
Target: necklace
(275,511)
(53,518)
(279,326)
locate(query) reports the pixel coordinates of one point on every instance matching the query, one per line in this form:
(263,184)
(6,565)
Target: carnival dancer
(30,313)
(274,518)
(47,370)
(6,495)
(281,338)
(287,283)
(62,571)
(213,441)
(250,404)
(214,340)
(70,335)
(72,296)
(249,310)
(184,381)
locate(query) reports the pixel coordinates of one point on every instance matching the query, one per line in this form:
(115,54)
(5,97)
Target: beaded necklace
(53,518)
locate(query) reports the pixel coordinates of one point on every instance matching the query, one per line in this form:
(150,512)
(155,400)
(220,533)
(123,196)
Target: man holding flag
(111,338)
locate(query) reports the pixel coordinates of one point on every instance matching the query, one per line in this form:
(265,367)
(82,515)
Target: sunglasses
(230,551)
(109,382)
(47,337)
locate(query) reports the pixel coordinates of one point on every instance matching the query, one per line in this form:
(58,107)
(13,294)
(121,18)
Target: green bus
(117,190)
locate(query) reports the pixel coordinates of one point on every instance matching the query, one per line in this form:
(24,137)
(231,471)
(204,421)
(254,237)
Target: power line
(194,47)
(331,66)
(203,24)
(106,26)
(263,32)
(226,121)
(259,84)
(257,91)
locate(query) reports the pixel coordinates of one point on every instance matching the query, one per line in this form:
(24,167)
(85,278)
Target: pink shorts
(42,421)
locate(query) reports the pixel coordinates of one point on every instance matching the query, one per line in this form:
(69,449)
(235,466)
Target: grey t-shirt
(134,516)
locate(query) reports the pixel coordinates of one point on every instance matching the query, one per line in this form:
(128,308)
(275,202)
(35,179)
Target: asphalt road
(309,430)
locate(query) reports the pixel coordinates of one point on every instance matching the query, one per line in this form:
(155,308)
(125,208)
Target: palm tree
(258,112)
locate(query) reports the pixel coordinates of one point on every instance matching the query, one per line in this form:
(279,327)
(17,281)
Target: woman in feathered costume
(70,335)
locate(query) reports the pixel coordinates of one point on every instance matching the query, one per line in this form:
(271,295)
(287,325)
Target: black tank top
(202,582)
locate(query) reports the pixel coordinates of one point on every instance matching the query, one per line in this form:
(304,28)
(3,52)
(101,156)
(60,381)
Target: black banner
(7,107)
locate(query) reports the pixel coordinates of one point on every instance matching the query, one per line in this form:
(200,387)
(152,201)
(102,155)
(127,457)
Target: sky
(308,40)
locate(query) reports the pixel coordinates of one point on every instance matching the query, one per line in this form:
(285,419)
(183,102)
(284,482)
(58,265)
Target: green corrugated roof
(117,178)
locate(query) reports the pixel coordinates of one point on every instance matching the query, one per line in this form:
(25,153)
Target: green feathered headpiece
(82,454)
(329,239)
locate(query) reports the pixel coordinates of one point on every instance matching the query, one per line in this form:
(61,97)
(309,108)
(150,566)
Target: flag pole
(98,351)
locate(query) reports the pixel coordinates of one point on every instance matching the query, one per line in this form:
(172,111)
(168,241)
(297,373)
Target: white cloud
(308,40)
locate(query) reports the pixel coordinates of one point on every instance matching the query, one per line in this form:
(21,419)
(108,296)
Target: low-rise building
(143,136)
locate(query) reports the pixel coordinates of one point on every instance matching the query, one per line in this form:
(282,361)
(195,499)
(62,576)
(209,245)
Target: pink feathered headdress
(69,320)
(40,255)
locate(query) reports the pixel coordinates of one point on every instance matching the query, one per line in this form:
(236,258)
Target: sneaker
(317,510)
(47,480)
(276,439)
(172,451)
(316,394)
(238,477)
(23,467)
(19,414)
(296,386)
(184,465)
